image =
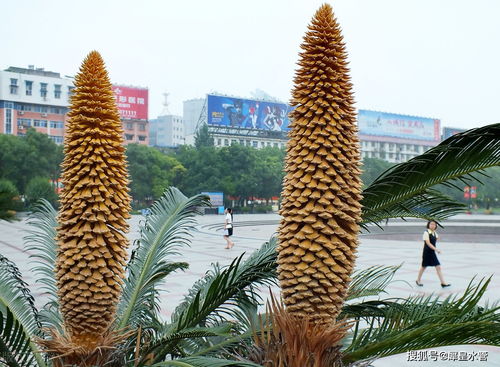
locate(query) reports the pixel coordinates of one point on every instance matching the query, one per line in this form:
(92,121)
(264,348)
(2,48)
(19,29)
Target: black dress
(429,257)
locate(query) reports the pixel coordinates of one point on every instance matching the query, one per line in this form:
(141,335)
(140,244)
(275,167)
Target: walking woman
(228,227)
(429,257)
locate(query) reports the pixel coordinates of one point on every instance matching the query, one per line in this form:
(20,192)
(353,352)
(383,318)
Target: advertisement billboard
(398,126)
(246,113)
(216,198)
(132,102)
(450,131)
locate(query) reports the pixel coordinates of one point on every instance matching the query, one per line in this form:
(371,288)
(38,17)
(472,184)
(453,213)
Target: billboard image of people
(246,113)
(398,126)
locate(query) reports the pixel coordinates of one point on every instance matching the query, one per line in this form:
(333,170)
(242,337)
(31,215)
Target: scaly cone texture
(322,188)
(94,205)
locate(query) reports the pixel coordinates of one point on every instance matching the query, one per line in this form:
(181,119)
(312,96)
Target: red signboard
(132,102)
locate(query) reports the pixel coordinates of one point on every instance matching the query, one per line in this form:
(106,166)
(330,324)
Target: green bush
(9,200)
(40,188)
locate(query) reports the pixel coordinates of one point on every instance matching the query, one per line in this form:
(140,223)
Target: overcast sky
(427,58)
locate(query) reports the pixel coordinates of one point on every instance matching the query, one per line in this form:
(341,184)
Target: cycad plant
(322,187)
(92,247)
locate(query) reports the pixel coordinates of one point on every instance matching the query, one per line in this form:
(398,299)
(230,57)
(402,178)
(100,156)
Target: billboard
(132,102)
(398,126)
(247,113)
(216,198)
(450,131)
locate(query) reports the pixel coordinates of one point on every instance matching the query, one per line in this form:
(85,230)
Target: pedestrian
(429,257)
(228,227)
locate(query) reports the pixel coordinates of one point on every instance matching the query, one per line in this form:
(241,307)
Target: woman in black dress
(429,257)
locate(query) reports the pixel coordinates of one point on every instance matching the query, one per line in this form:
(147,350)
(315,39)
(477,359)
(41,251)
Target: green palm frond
(423,322)
(19,323)
(41,242)
(204,362)
(371,281)
(403,190)
(165,230)
(222,290)
(221,296)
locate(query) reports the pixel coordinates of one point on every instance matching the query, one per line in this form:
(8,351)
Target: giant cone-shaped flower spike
(92,248)
(321,192)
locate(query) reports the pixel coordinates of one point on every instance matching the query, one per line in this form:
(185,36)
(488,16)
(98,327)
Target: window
(255,144)
(275,145)
(242,142)
(262,144)
(57,124)
(8,120)
(129,126)
(129,136)
(142,127)
(26,107)
(40,123)
(24,122)
(29,87)
(56,110)
(56,139)
(142,137)
(70,90)
(13,86)
(43,90)
(219,141)
(226,142)
(233,141)
(57,91)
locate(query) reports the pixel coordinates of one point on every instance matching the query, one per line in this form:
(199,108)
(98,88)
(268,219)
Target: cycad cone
(321,192)
(94,205)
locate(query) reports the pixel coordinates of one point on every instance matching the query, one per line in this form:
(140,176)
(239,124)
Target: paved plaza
(469,244)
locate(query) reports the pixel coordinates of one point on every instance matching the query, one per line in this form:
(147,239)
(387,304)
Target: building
(166,131)
(234,120)
(132,105)
(396,138)
(450,131)
(33,97)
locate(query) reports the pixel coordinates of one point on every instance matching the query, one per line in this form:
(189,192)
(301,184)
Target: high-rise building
(33,97)
(166,131)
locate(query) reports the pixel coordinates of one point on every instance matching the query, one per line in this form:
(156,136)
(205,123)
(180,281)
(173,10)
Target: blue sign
(398,126)
(246,113)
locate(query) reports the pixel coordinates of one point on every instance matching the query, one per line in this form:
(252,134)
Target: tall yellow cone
(94,206)
(321,192)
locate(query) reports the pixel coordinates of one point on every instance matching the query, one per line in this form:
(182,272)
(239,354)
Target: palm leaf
(371,281)
(223,290)
(423,322)
(41,242)
(204,362)
(165,230)
(19,323)
(222,295)
(403,190)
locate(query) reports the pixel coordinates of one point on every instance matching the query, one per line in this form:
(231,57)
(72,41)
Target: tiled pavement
(463,257)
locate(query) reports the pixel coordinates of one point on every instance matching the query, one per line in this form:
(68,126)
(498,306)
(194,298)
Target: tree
(151,172)
(9,200)
(373,168)
(40,188)
(27,157)
(203,138)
